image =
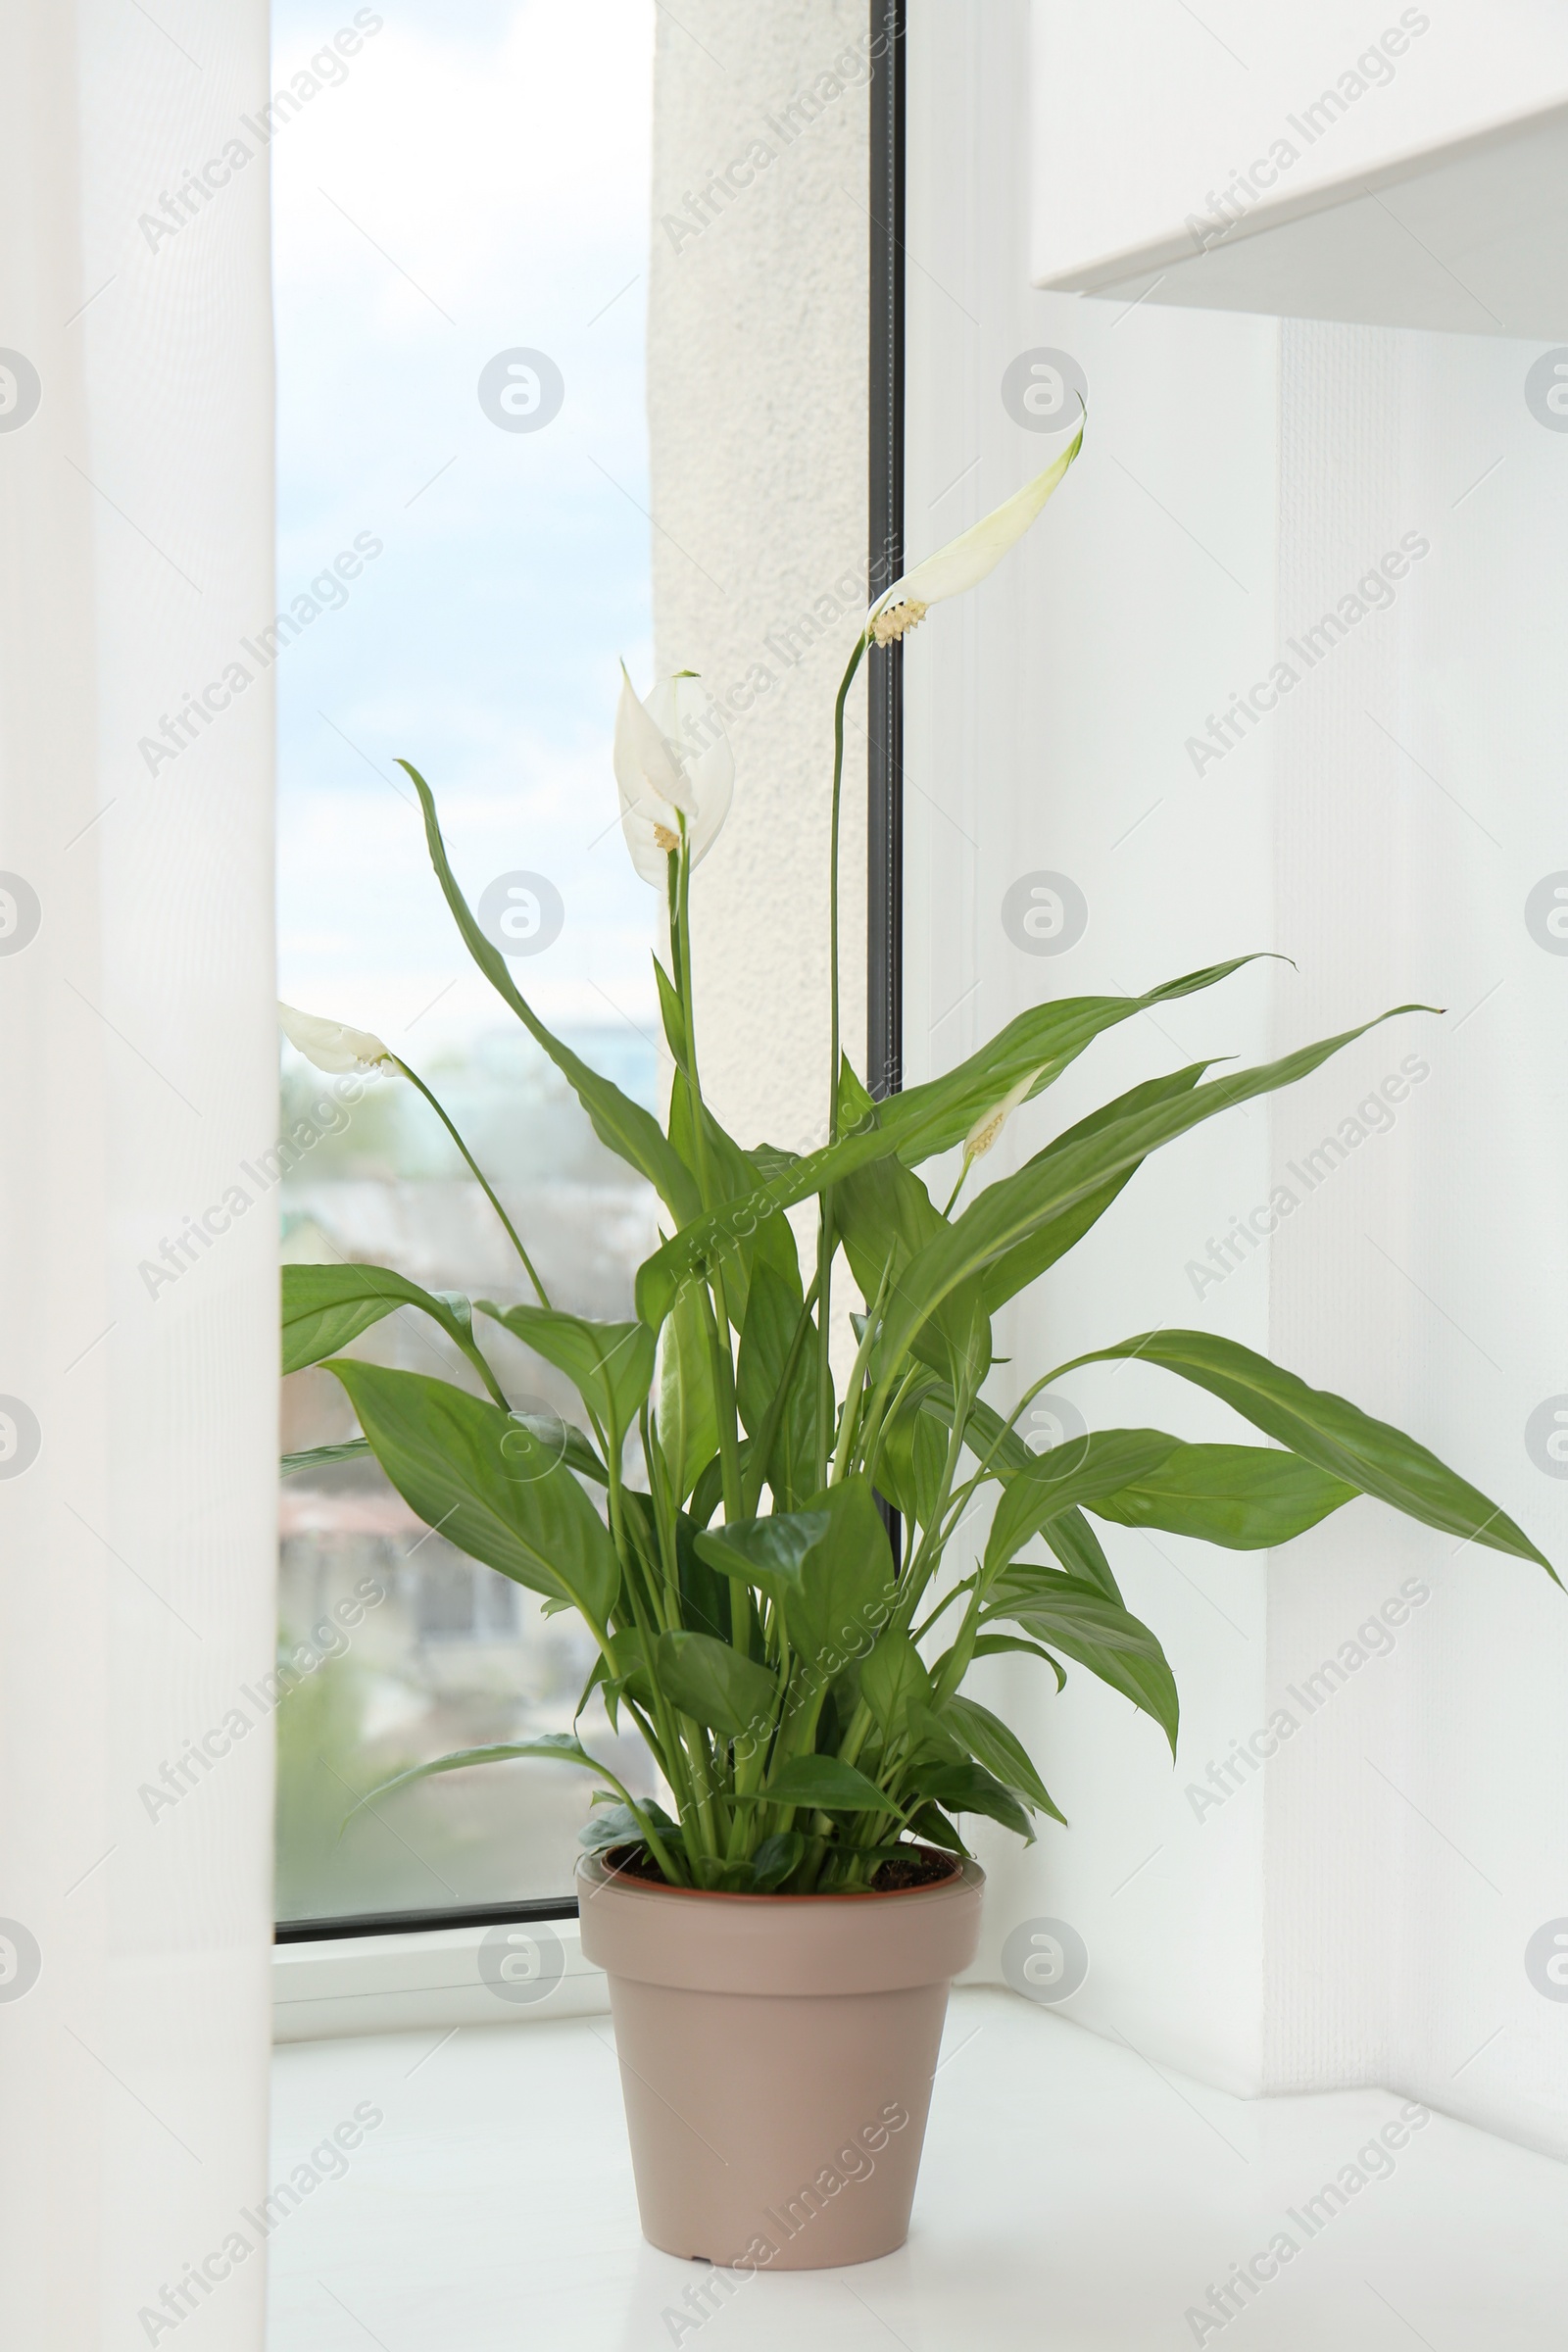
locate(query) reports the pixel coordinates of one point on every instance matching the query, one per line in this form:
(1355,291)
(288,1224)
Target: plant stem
(413,1078)
(825,1241)
(959,1187)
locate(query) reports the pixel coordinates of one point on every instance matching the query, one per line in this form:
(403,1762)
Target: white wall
(1359,1910)
(1040,720)
(1416,1831)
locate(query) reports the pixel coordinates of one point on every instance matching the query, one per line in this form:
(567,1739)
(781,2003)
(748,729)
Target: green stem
(847,682)
(413,1078)
(825,1244)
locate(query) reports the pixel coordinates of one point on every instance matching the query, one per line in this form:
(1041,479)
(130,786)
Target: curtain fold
(137,1291)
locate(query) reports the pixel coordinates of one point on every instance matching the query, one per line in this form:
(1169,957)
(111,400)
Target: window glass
(460,220)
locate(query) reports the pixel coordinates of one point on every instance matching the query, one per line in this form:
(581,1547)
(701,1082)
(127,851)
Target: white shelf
(1470,235)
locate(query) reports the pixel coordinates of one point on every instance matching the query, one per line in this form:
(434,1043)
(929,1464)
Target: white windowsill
(397,1984)
(402,1983)
(1074,2197)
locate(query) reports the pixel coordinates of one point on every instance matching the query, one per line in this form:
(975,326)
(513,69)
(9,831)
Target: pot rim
(625,1882)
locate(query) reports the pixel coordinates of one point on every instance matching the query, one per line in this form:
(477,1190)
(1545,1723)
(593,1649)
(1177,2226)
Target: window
(461,228)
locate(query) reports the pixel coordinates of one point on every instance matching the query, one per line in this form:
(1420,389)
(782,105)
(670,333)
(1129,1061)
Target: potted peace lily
(780,1933)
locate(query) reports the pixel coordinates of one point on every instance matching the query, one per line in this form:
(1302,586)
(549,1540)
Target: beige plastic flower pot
(776,2056)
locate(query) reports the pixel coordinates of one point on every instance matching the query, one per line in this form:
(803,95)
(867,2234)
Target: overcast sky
(495,152)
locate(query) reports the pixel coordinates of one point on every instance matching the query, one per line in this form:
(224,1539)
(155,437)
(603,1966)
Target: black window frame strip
(884,927)
(884,691)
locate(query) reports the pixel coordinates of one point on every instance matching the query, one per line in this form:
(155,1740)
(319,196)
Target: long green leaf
(633,1134)
(1371,1455)
(828,1784)
(1065,1479)
(325,1307)
(1009,1211)
(829,1568)
(1247,1497)
(715,1683)
(1077,1620)
(559,1746)
(970,1788)
(323,1457)
(774,1307)
(609,1364)
(916,1125)
(1008,1274)
(884,1216)
(447,1454)
(991,1744)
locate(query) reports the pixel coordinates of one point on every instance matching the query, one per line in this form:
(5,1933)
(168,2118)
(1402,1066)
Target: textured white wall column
(136,1457)
(756,372)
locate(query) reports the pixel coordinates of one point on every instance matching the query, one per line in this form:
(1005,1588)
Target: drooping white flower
(330,1045)
(967,559)
(672,764)
(989,1125)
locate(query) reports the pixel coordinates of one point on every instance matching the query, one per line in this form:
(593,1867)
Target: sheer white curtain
(137,1298)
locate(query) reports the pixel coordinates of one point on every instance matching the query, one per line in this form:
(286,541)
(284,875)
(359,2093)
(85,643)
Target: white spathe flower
(985,1129)
(330,1045)
(672,762)
(967,559)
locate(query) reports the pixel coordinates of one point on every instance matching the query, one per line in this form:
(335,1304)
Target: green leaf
(561,1746)
(916,1125)
(321,1457)
(325,1307)
(633,1134)
(994,1645)
(913,1454)
(773,1311)
(776,1859)
(970,1788)
(444,1452)
(703,1594)
(715,1683)
(935,1828)
(1008,1274)
(884,1216)
(688,1411)
(829,1568)
(1019,1205)
(732,1175)
(753,1549)
(610,1365)
(893,1679)
(563,1440)
(1078,1620)
(673,1016)
(829,1785)
(1335,1434)
(1247,1498)
(626,1669)
(1078,1548)
(709,1491)
(991,1744)
(928,1119)
(616,1824)
(1066,1477)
